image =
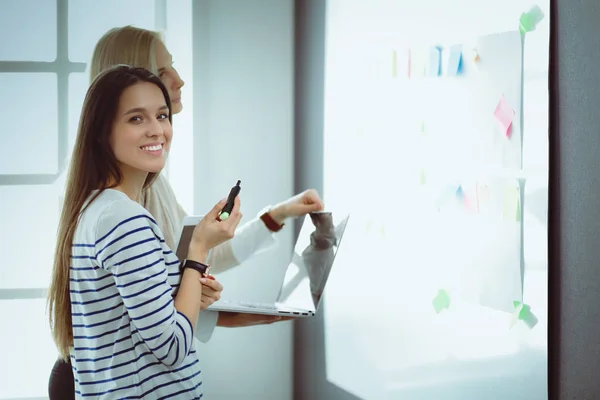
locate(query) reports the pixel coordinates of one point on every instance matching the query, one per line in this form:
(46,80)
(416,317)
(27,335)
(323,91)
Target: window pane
(89,20)
(78,86)
(26,346)
(31,99)
(29,219)
(31,27)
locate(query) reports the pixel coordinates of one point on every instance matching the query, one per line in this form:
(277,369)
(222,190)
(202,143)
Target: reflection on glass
(312,261)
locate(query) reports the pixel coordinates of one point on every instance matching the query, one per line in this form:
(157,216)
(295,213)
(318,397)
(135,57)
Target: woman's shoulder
(113,207)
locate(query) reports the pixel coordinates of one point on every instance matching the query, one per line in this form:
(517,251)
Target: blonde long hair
(93,167)
(125,45)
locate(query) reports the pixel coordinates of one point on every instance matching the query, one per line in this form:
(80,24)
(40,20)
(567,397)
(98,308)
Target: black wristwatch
(198,266)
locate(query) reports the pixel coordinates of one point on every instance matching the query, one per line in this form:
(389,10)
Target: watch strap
(198,266)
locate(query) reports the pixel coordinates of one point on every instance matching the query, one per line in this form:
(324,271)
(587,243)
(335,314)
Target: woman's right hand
(211,232)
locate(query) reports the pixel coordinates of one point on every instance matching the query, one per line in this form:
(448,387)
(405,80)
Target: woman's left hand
(211,292)
(238,320)
(297,206)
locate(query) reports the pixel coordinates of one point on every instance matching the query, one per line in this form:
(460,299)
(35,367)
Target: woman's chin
(176,107)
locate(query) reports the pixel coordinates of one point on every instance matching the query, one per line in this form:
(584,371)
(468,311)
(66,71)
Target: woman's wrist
(279,214)
(197,252)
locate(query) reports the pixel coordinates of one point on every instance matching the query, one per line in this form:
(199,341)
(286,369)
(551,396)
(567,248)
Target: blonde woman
(143,48)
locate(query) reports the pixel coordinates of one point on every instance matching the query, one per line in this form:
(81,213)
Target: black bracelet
(198,266)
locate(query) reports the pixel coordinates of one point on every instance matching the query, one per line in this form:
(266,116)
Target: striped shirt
(129,341)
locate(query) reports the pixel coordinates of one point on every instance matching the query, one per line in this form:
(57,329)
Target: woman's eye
(163,116)
(137,118)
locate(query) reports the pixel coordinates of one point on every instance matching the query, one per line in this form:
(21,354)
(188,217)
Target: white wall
(243,127)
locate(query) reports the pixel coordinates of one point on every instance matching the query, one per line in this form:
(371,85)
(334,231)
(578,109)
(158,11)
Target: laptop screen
(312,260)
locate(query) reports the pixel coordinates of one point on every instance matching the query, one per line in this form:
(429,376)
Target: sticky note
(504,115)
(529,20)
(471,201)
(460,192)
(455,60)
(441,301)
(523,313)
(422,179)
(511,207)
(418,63)
(446,195)
(434,67)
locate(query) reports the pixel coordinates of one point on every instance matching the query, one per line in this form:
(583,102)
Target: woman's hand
(237,320)
(211,292)
(297,206)
(211,232)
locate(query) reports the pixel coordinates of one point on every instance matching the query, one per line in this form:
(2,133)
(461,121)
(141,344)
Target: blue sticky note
(459,192)
(455,60)
(435,61)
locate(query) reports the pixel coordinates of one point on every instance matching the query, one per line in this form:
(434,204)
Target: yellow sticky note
(511,210)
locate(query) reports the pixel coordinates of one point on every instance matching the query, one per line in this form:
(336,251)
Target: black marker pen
(230,199)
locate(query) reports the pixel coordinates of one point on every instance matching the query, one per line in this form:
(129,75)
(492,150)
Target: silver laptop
(307,272)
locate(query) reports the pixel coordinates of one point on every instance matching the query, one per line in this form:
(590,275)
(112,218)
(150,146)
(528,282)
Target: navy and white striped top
(129,341)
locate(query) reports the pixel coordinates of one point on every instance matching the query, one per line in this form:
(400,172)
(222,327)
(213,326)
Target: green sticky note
(511,210)
(441,301)
(530,19)
(422,176)
(523,313)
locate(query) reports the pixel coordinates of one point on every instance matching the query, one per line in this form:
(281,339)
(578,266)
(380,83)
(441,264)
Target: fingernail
(203,280)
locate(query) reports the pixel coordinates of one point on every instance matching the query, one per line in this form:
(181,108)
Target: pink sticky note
(504,115)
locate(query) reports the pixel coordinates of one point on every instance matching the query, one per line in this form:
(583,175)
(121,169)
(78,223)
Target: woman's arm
(254,236)
(129,245)
(250,238)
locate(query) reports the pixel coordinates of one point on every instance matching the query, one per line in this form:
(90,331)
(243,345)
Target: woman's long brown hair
(93,167)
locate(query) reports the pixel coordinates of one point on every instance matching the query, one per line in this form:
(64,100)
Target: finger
(209,299)
(214,213)
(318,206)
(211,284)
(236,215)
